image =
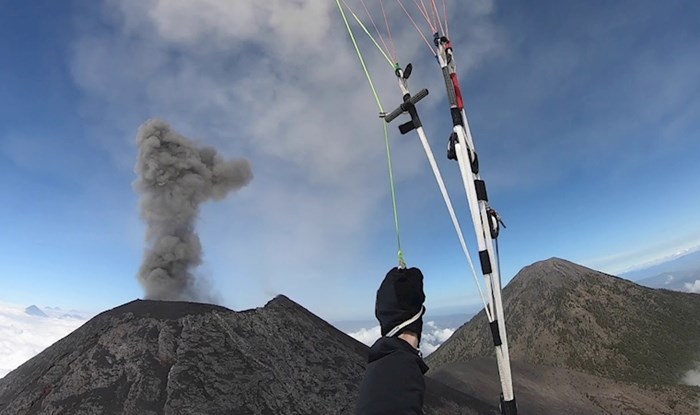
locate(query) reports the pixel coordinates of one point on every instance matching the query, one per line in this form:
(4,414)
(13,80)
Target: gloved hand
(399,305)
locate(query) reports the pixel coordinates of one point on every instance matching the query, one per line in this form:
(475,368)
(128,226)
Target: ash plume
(174,178)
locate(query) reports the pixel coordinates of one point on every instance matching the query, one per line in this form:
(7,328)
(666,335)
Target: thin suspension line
(420,32)
(444,11)
(422,12)
(402,262)
(364,28)
(428,16)
(437,16)
(495,305)
(388,146)
(381,38)
(388,30)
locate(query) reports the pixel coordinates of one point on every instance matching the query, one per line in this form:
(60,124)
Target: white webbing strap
(451,211)
(398,328)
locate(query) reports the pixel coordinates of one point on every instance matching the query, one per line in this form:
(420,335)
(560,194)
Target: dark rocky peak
(283,300)
(281,303)
(554,268)
(163,310)
(153,357)
(556,273)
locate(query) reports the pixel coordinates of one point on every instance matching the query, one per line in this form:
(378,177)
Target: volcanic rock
(165,357)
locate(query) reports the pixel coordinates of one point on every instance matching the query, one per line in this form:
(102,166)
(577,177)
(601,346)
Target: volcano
(168,357)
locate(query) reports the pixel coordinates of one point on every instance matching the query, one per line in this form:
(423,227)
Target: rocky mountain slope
(565,315)
(159,357)
(546,390)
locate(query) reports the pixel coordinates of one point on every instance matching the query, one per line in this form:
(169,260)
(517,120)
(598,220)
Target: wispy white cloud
(276,82)
(692,377)
(647,255)
(694,287)
(433,336)
(367,336)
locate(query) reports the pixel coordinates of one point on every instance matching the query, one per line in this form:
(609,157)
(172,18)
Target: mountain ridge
(562,314)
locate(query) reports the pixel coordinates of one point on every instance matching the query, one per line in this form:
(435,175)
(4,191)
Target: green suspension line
(402,262)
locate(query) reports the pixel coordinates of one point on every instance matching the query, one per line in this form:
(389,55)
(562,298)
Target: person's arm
(393,381)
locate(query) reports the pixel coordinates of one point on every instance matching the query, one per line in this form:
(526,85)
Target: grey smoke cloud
(174,178)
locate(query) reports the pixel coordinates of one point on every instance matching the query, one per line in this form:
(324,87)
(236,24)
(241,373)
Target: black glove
(400,299)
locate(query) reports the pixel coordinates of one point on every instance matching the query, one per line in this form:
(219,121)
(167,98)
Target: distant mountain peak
(559,264)
(281,299)
(33,310)
(555,259)
(563,314)
(556,272)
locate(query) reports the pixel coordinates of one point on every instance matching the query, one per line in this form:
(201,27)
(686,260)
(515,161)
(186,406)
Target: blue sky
(586,117)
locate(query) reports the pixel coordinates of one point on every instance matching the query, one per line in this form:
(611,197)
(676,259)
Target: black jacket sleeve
(393,382)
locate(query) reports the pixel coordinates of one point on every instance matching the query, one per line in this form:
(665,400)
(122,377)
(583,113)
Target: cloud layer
(433,336)
(276,82)
(23,336)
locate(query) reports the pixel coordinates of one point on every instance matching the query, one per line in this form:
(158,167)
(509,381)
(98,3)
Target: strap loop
(398,328)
